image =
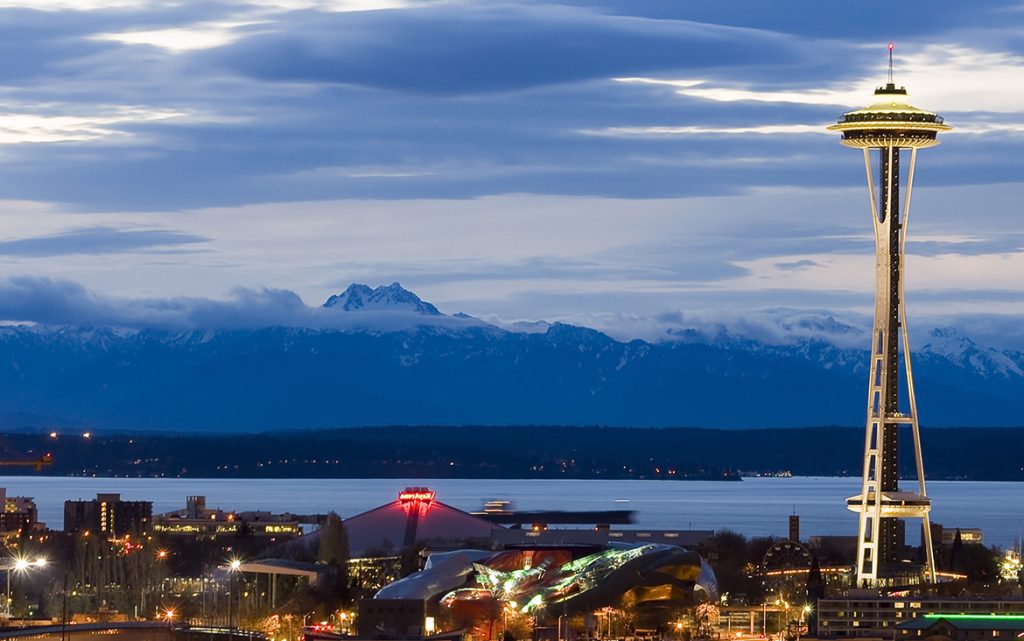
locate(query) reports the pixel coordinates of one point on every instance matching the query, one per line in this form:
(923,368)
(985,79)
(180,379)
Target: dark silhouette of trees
(979,563)
(955,552)
(815,591)
(728,553)
(334,553)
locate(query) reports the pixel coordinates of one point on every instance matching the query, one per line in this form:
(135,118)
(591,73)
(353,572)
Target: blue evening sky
(627,164)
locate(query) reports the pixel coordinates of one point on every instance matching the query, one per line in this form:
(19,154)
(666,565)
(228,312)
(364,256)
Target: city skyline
(524,319)
(616,165)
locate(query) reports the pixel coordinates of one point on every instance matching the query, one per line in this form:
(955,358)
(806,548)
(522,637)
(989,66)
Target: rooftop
(890,121)
(1011,622)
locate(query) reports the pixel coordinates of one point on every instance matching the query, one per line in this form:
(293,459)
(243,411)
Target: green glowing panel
(975,617)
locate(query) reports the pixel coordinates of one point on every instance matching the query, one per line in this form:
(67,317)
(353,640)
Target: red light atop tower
(891,46)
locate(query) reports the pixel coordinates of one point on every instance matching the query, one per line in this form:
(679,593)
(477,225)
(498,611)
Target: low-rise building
(198,521)
(392,619)
(967,535)
(599,536)
(865,614)
(962,627)
(946,536)
(19,514)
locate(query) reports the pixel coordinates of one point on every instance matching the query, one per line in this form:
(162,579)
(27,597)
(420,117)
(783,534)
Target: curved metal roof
(890,122)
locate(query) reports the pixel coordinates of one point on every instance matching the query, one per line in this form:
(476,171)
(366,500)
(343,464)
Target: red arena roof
(415,516)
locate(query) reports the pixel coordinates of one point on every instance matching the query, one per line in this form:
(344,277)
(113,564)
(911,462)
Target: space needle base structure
(886,130)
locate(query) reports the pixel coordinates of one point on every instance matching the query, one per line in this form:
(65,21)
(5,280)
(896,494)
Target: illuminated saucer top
(890,122)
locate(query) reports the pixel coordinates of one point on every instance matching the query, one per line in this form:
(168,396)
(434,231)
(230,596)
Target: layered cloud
(96,240)
(479,48)
(67,303)
(33,125)
(54,304)
(528,159)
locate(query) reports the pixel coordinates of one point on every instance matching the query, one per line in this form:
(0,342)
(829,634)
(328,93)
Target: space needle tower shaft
(886,130)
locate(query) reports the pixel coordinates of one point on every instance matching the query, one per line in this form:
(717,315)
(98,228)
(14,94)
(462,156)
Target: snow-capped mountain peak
(358,297)
(950,344)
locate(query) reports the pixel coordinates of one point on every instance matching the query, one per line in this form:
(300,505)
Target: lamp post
(233,568)
(64,609)
(19,565)
(504,617)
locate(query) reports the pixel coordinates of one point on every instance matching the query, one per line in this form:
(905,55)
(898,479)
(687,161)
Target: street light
(233,568)
(504,616)
(802,626)
(19,565)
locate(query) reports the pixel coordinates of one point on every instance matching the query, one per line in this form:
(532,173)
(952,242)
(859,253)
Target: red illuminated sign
(416,496)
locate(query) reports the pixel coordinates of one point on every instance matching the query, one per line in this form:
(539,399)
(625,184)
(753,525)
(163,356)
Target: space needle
(885,130)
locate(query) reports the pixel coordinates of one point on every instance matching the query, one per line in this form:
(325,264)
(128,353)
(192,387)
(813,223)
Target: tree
(410,560)
(955,551)
(334,552)
(979,563)
(728,554)
(815,592)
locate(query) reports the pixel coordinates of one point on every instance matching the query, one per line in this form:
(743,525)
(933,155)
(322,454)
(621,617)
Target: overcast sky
(619,163)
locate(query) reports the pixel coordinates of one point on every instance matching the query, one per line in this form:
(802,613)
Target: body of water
(754,506)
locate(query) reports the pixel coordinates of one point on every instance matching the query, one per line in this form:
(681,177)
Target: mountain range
(398,360)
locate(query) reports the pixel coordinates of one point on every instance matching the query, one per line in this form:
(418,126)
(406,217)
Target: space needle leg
(926,535)
(869,517)
(883,357)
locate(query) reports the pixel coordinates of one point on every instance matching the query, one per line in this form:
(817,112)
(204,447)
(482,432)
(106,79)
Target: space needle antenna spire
(891,47)
(885,132)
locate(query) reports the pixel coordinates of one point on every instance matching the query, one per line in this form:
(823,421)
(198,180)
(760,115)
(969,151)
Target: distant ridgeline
(542,452)
(384,357)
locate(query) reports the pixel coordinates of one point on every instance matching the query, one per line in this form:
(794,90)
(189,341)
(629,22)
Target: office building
(108,514)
